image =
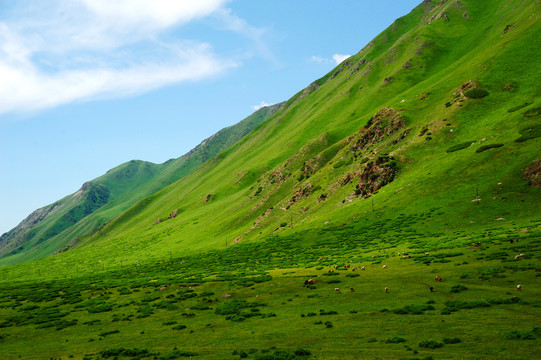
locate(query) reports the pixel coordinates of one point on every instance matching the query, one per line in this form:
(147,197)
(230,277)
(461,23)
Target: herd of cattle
(404,255)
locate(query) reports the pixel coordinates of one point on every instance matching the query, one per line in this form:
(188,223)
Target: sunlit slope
(398,129)
(59,226)
(422,68)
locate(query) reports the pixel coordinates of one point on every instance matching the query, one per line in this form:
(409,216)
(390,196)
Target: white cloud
(338,58)
(261,105)
(61,51)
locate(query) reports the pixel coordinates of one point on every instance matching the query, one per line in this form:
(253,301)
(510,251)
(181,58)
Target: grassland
(395,151)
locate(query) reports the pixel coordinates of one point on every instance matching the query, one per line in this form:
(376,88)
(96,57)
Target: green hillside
(60,226)
(390,210)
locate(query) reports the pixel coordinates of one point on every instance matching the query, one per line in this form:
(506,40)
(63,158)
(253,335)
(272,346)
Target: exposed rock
(375,175)
(385,122)
(173,214)
(533,173)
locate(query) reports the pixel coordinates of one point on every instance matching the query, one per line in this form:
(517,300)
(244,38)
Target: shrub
(513,109)
(395,340)
(487,147)
(530,132)
(430,344)
(172,322)
(284,224)
(532,112)
(333,281)
(179,327)
(458,288)
(302,352)
(452,340)
(105,333)
(476,93)
(520,335)
(351,275)
(175,354)
(459,146)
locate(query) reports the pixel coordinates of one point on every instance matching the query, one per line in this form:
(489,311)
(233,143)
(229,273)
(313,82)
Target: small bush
(302,352)
(175,354)
(333,281)
(476,94)
(351,275)
(530,132)
(430,344)
(487,147)
(284,224)
(513,109)
(452,340)
(459,146)
(520,335)
(179,327)
(458,288)
(532,112)
(395,340)
(105,333)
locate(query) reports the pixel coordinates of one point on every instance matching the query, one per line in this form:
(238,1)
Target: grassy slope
(339,108)
(428,208)
(75,215)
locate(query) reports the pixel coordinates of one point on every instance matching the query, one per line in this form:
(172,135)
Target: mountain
(58,226)
(391,209)
(424,117)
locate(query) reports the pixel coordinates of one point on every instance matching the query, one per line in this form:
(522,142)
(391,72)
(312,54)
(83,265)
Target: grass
(225,278)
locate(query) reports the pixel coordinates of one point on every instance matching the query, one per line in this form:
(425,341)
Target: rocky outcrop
(533,173)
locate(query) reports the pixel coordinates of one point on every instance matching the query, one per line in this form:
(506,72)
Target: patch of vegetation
(430,344)
(175,354)
(456,305)
(513,109)
(530,132)
(116,352)
(458,288)
(452,340)
(532,112)
(395,340)
(476,93)
(487,147)
(459,146)
(411,310)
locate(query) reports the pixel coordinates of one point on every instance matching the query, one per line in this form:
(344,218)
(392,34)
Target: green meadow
(417,158)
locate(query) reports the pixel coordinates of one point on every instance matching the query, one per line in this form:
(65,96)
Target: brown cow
(438,278)
(519,287)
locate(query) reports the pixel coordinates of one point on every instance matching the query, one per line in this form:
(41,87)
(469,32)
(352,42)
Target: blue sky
(86,85)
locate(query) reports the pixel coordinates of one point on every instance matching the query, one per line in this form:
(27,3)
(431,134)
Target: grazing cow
(511,241)
(384,266)
(519,256)
(353,269)
(311,281)
(348,266)
(352,289)
(519,287)
(163,288)
(373,256)
(427,253)
(336,289)
(438,278)
(431,288)
(362,268)
(386,290)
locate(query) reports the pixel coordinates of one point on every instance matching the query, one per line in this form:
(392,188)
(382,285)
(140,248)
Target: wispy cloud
(335,60)
(61,51)
(261,105)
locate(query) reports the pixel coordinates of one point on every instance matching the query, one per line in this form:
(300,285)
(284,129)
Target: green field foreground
(417,158)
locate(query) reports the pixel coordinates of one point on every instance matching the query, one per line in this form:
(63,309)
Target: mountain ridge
(110,194)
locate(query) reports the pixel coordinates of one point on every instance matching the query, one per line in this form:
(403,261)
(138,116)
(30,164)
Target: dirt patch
(533,173)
